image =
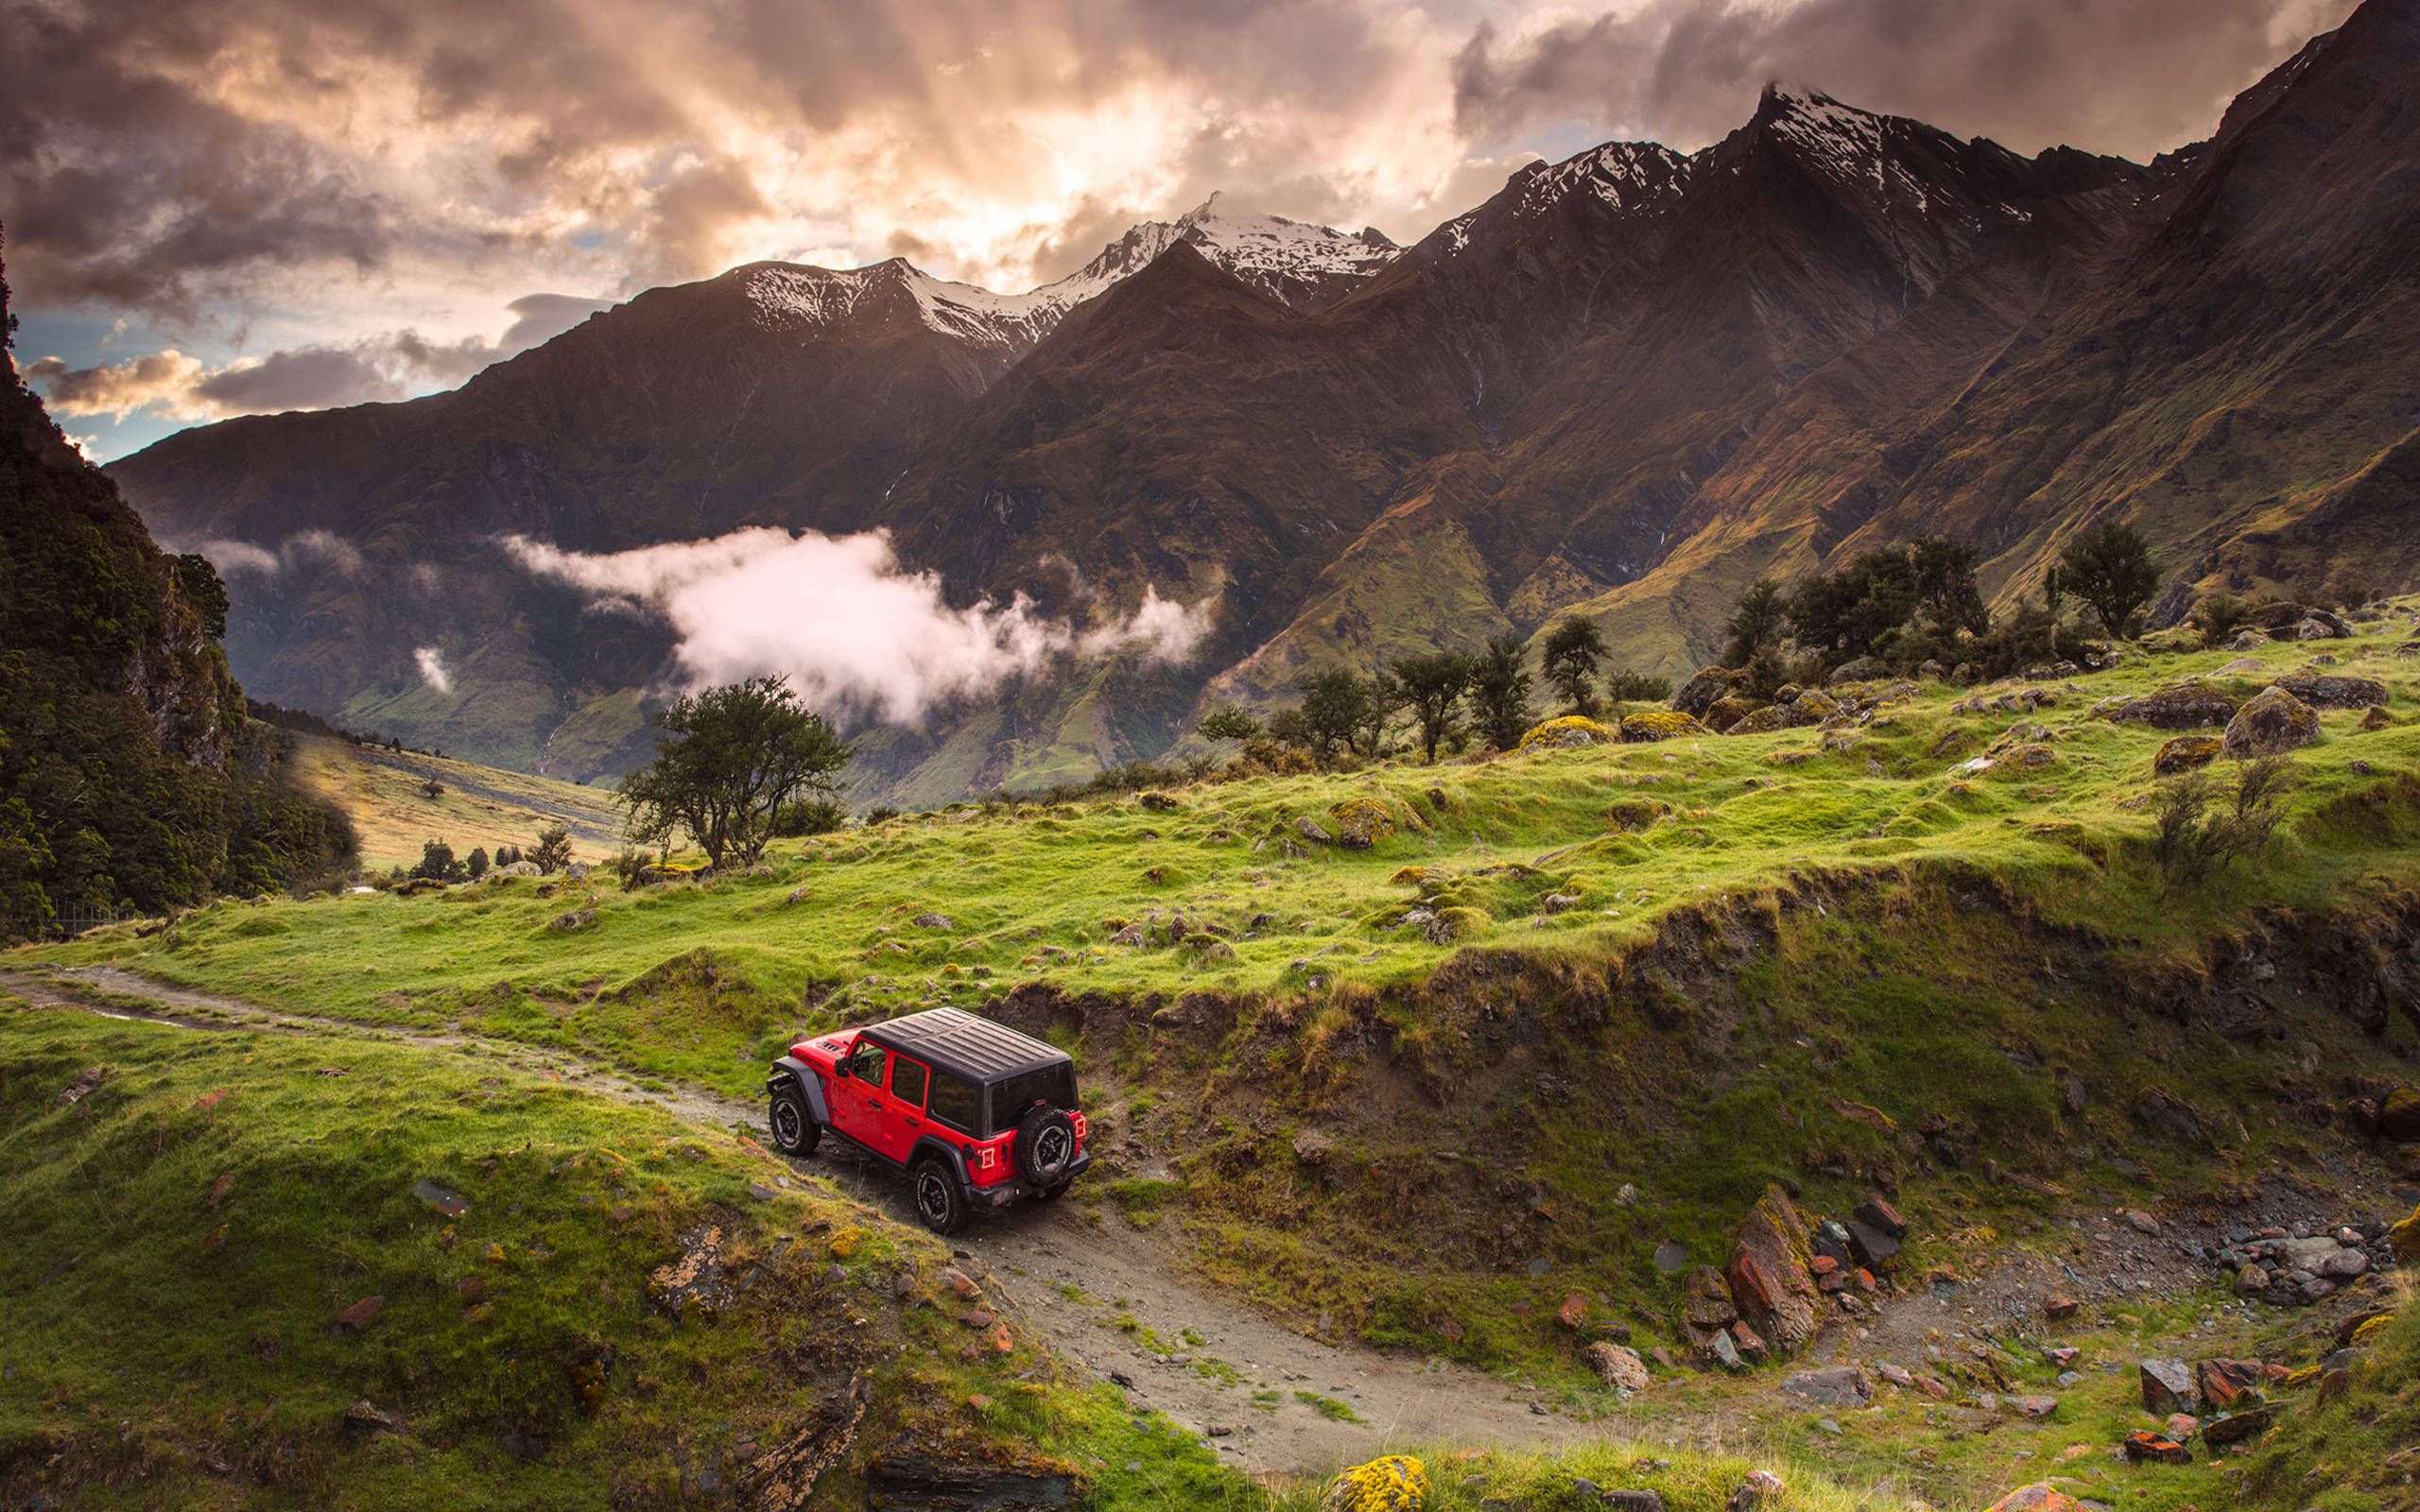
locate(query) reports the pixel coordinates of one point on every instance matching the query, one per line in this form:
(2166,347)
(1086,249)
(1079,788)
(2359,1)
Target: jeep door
(903,1118)
(858,1097)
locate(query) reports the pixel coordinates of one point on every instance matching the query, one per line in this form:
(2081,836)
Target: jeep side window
(956,1102)
(865,1063)
(908,1081)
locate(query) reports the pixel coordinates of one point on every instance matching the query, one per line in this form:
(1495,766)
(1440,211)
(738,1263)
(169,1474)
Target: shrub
(808,815)
(554,850)
(2201,827)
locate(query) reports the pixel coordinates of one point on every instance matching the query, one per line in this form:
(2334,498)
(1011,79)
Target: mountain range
(1625,387)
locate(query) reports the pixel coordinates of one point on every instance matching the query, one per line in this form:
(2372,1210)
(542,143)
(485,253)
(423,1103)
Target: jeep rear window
(1055,1085)
(956,1102)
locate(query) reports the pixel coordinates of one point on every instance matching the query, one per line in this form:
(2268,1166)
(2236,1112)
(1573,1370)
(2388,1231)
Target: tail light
(1083,1128)
(986,1157)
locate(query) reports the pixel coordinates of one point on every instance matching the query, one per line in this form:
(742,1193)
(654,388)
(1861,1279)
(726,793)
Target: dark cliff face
(130,778)
(1629,382)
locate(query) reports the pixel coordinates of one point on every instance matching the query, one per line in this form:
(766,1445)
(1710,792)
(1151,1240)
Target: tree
(1433,686)
(1569,659)
(476,862)
(1381,695)
(1756,622)
(432,789)
(740,751)
(1943,572)
(437,862)
(554,850)
(1228,724)
(508,855)
(1636,687)
(1499,692)
(1335,706)
(2109,566)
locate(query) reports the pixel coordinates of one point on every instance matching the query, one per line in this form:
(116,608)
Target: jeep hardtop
(977,1114)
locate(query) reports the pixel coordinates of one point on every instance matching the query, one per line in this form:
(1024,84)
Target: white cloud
(308,548)
(839,616)
(432,668)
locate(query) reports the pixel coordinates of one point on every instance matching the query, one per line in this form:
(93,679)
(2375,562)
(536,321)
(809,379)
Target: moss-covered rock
(2274,721)
(2189,705)
(1703,692)
(2325,691)
(2021,760)
(1635,813)
(1397,1483)
(1728,711)
(1567,733)
(2404,1239)
(2182,754)
(1661,723)
(1362,822)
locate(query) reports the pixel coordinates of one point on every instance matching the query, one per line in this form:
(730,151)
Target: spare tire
(1045,1147)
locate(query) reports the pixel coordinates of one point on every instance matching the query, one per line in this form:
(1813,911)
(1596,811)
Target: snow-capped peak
(1626,176)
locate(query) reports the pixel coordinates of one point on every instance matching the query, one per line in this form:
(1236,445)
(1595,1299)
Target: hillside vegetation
(385,792)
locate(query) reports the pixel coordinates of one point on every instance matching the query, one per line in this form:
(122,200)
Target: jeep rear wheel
(1045,1147)
(795,1130)
(940,1206)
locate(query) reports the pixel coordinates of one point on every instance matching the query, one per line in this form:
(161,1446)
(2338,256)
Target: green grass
(1327,1407)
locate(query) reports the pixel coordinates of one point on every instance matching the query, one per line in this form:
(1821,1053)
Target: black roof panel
(955,1040)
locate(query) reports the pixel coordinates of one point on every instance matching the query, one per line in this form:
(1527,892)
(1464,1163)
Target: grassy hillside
(383,792)
(1645,980)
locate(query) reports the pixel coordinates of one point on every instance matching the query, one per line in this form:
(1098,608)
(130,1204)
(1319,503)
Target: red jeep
(975,1113)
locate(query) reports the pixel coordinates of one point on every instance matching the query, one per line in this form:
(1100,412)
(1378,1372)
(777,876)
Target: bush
(2200,827)
(808,815)
(554,850)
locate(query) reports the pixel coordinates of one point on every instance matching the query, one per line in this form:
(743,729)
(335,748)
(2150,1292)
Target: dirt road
(1110,1297)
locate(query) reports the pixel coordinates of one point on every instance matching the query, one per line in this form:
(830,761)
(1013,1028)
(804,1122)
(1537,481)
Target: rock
(2237,1427)
(364,1416)
(1362,822)
(2345,1265)
(934,921)
(1750,1343)
(1724,1352)
(2059,1307)
(1858,669)
(579,919)
(2182,754)
(1770,1283)
(357,1316)
(2250,1281)
(2167,1386)
(2182,1426)
(85,1084)
(1703,692)
(1396,1482)
(1835,1386)
(2273,723)
(1310,828)
(2029,757)
(1705,1300)
(1633,1502)
(1877,1212)
(1726,711)
(1156,802)
(1760,1489)
(2224,1383)
(2398,1116)
(2247,639)
(1570,732)
(1874,1249)
(2403,1240)
(914,1481)
(1574,1310)
(1660,724)
(2376,718)
(2323,691)
(2143,1447)
(2164,1114)
(2316,629)
(2039,1496)
(1617,1364)
(2034,1409)
(445,1199)
(2189,705)
(2142,1222)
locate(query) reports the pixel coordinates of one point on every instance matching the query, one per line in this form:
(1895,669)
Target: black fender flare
(810,1086)
(950,1156)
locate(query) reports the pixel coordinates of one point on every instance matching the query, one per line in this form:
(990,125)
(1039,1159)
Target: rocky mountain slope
(1631,382)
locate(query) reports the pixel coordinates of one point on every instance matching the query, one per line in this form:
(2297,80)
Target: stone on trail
(2236,1427)
(2225,1383)
(1617,1366)
(2039,1496)
(1835,1386)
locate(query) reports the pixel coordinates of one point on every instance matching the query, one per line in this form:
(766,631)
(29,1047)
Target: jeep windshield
(1012,1095)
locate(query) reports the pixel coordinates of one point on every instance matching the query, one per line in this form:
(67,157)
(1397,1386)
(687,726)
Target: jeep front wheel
(940,1206)
(795,1130)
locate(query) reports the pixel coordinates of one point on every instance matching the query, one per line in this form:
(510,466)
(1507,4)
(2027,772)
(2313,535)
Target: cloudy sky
(217,207)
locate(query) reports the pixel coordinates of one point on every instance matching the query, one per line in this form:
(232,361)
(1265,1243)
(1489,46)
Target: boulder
(2223,1383)
(1570,732)
(2274,722)
(1660,724)
(2403,1240)
(2399,1115)
(1362,822)
(2313,627)
(1877,1212)
(2378,719)
(2236,1427)
(1706,1307)
(2167,1386)
(1703,692)
(2183,753)
(1727,711)
(1396,1482)
(2247,639)
(1834,1385)
(1859,669)
(1873,1248)
(1617,1364)
(1769,1281)
(1770,717)
(934,921)
(2189,705)
(1311,829)
(1760,1489)
(2143,1447)
(2323,691)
